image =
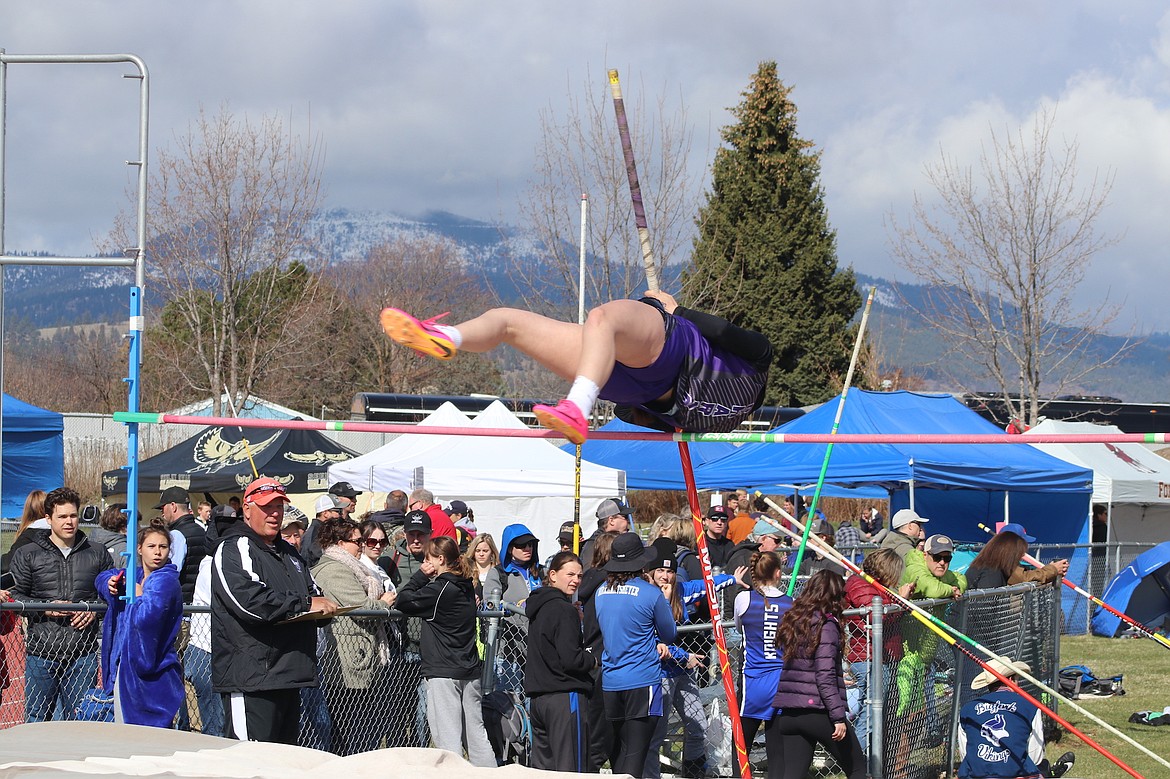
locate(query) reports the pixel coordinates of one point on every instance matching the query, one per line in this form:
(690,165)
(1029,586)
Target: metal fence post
(491,639)
(956,698)
(876,690)
(1057,615)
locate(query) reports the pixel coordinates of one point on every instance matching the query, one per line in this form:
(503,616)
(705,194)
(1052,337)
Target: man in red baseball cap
(260,660)
(263,506)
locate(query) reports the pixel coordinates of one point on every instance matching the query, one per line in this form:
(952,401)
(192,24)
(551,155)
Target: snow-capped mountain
(39,297)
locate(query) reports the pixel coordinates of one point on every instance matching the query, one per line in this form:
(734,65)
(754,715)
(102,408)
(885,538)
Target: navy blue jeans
(46,680)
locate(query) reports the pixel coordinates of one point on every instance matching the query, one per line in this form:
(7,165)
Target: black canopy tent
(218,460)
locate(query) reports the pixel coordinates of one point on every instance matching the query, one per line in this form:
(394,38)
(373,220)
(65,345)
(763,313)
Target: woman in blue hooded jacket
(139,663)
(517,575)
(634,618)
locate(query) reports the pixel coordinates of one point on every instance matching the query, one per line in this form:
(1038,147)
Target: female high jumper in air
(663,366)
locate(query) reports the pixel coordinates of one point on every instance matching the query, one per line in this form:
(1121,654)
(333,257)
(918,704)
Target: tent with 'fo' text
(1130,480)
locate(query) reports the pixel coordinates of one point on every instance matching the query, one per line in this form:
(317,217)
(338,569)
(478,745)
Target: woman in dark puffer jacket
(811,693)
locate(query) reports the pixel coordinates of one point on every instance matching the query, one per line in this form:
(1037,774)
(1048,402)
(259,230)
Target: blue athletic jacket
(692,592)
(634,617)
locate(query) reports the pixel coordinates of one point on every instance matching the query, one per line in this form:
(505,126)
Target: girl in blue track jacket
(634,618)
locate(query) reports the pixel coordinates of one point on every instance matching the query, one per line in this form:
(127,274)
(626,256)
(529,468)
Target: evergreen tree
(765,257)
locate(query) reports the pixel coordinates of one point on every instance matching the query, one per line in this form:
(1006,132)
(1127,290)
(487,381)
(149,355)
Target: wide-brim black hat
(627,554)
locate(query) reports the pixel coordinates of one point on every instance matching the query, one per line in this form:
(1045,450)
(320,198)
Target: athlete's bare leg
(625,331)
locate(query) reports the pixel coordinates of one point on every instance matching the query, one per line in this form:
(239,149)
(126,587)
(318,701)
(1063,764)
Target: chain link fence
(1091,567)
(905,691)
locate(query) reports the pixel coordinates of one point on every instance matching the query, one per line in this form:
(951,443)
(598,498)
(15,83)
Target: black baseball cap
(224,513)
(664,551)
(417,520)
(718,512)
(345,490)
(174,495)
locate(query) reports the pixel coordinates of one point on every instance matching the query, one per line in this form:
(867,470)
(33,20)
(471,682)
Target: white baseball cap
(327,502)
(904,517)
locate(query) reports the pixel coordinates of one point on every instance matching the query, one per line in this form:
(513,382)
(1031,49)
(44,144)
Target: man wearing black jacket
(719,546)
(175,504)
(260,660)
(59,565)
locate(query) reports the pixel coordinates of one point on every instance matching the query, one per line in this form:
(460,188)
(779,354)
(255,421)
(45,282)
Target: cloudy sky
(435,104)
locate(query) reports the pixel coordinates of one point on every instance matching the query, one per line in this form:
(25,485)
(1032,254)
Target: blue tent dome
(34,453)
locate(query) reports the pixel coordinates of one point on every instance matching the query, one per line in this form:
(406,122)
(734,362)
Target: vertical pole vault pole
(741,752)
(135,258)
(619,108)
(812,511)
(137,327)
(580,321)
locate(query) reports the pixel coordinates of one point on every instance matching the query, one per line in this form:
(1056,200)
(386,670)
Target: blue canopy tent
(34,453)
(955,486)
(1141,590)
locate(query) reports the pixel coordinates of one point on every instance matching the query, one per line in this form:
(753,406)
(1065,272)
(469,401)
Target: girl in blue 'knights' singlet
(757,615)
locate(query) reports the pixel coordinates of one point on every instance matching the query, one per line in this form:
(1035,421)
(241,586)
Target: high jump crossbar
(606,435)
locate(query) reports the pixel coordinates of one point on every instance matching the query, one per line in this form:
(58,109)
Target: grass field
(1146,665)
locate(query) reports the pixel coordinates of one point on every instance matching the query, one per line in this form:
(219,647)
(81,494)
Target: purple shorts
(713,390)
(634,386)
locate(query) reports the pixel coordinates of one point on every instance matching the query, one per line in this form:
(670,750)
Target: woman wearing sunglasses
(360,645)
(518,574)
(374,542)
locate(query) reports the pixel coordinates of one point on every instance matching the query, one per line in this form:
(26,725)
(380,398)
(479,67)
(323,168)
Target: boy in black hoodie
(557,675)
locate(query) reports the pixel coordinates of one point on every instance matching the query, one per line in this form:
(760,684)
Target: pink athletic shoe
(565,418)
(421,336)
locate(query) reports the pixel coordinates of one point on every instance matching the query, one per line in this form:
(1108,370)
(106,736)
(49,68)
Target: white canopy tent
(1128,478)
(503,480)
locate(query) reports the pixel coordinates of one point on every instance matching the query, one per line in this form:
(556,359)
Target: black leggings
(792,735)
(631,744)
(600,729)
(751,726)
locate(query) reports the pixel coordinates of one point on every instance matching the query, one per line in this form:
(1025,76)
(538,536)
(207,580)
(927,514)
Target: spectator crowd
(589,644)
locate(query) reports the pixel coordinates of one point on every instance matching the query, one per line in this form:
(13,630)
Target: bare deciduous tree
(1002,251)
(581,153)
(73,369)
(415,274)
(229,208)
